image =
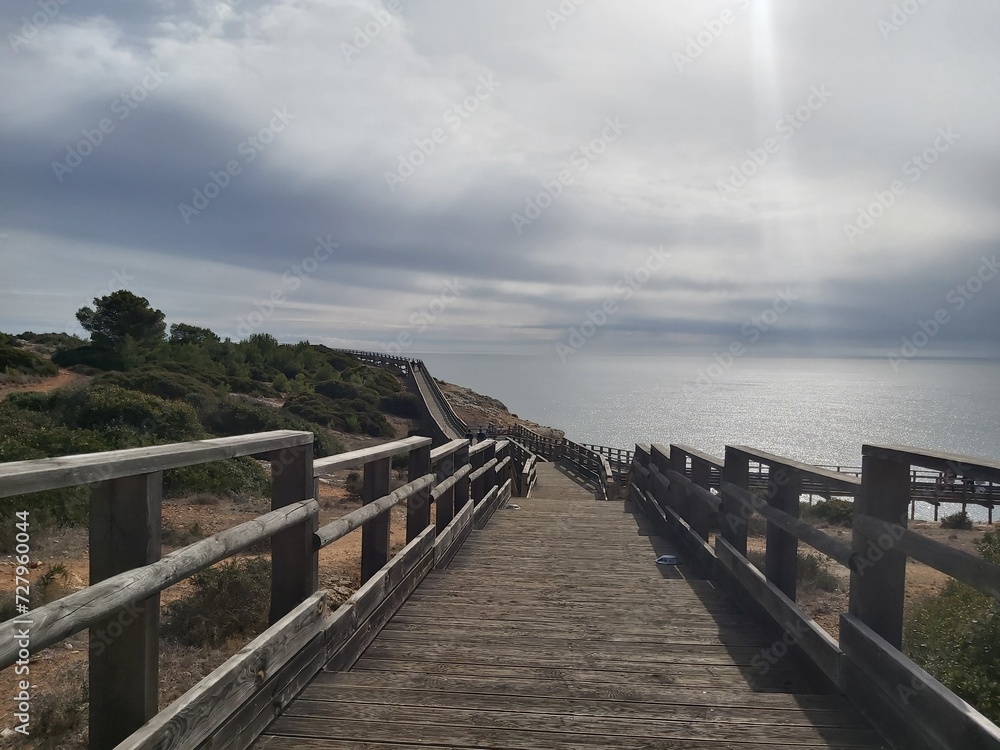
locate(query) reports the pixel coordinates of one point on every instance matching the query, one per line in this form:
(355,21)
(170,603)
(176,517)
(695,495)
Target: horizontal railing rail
(128,571)
(672,484)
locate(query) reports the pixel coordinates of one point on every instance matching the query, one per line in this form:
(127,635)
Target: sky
(510,175)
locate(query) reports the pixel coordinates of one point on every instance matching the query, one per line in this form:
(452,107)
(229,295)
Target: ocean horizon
(816,410)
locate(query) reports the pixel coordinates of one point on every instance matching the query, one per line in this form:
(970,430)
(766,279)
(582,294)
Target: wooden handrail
(870,633)
(62,618)
(356,519)
(36,475)
(363,456)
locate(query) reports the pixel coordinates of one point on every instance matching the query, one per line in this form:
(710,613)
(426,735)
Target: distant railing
(671,485)
(127,573)
(588,461)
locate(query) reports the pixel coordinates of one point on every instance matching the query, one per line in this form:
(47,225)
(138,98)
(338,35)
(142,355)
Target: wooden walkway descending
(553,628)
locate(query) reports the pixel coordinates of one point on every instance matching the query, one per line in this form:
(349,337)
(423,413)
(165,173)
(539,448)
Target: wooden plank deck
(553,628)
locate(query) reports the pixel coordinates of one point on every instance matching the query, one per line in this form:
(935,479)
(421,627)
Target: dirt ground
(64,379)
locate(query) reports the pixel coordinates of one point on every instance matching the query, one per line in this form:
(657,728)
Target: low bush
(227,601)
(812,572)
(17,361)
(958,520)
(402,405)
(834,511)
(242,475)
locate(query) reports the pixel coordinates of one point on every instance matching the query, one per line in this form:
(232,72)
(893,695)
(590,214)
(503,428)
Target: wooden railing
(620,459)
(671,485)
(234,703)
(527,461)
(588,461)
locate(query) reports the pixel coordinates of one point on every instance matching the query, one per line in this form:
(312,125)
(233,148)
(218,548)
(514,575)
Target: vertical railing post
(781,550)
(445,505)
(418,506)
(125,523)
(734,521)
(375,539)
(659,456)
(294,559)
(476,461)
(878,586)
(700,514)
(462,485)
(678,494)
(490,475)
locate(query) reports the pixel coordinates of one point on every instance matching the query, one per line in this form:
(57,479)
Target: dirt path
(63,379)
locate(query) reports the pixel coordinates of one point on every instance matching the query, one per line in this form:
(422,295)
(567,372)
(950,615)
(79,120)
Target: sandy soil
(44,385)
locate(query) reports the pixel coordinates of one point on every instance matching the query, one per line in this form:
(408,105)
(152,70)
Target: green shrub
(955,637)
(353,415)
(402,405)
(834,511)
(237,417)
(242,475)
(17,361)
(958,520)
(228,600)
(170,386)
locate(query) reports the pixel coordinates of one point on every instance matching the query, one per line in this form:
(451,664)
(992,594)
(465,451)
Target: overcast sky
(446,175)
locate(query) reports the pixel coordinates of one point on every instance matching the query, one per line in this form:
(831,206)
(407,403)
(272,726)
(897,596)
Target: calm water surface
(814,410)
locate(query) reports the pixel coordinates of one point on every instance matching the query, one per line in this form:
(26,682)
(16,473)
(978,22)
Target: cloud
(370,89)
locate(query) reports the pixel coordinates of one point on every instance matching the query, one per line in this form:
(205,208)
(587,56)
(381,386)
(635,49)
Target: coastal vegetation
(148,384)
(955,635)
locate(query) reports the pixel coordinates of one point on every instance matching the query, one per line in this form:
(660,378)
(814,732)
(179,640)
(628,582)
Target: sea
(810,409)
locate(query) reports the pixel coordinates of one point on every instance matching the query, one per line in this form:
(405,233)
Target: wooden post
(294,559)
(125,522)
(462,486)
(733,522)
(659,456)
(445,505)
(701,515)
(375,540)
(877,588)
(781,551)
(490,476)
(418,506)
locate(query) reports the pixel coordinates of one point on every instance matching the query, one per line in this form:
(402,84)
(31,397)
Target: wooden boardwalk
(553,628)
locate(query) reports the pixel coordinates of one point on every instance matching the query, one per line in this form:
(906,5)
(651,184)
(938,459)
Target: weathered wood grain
(19,477)
(82,609)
